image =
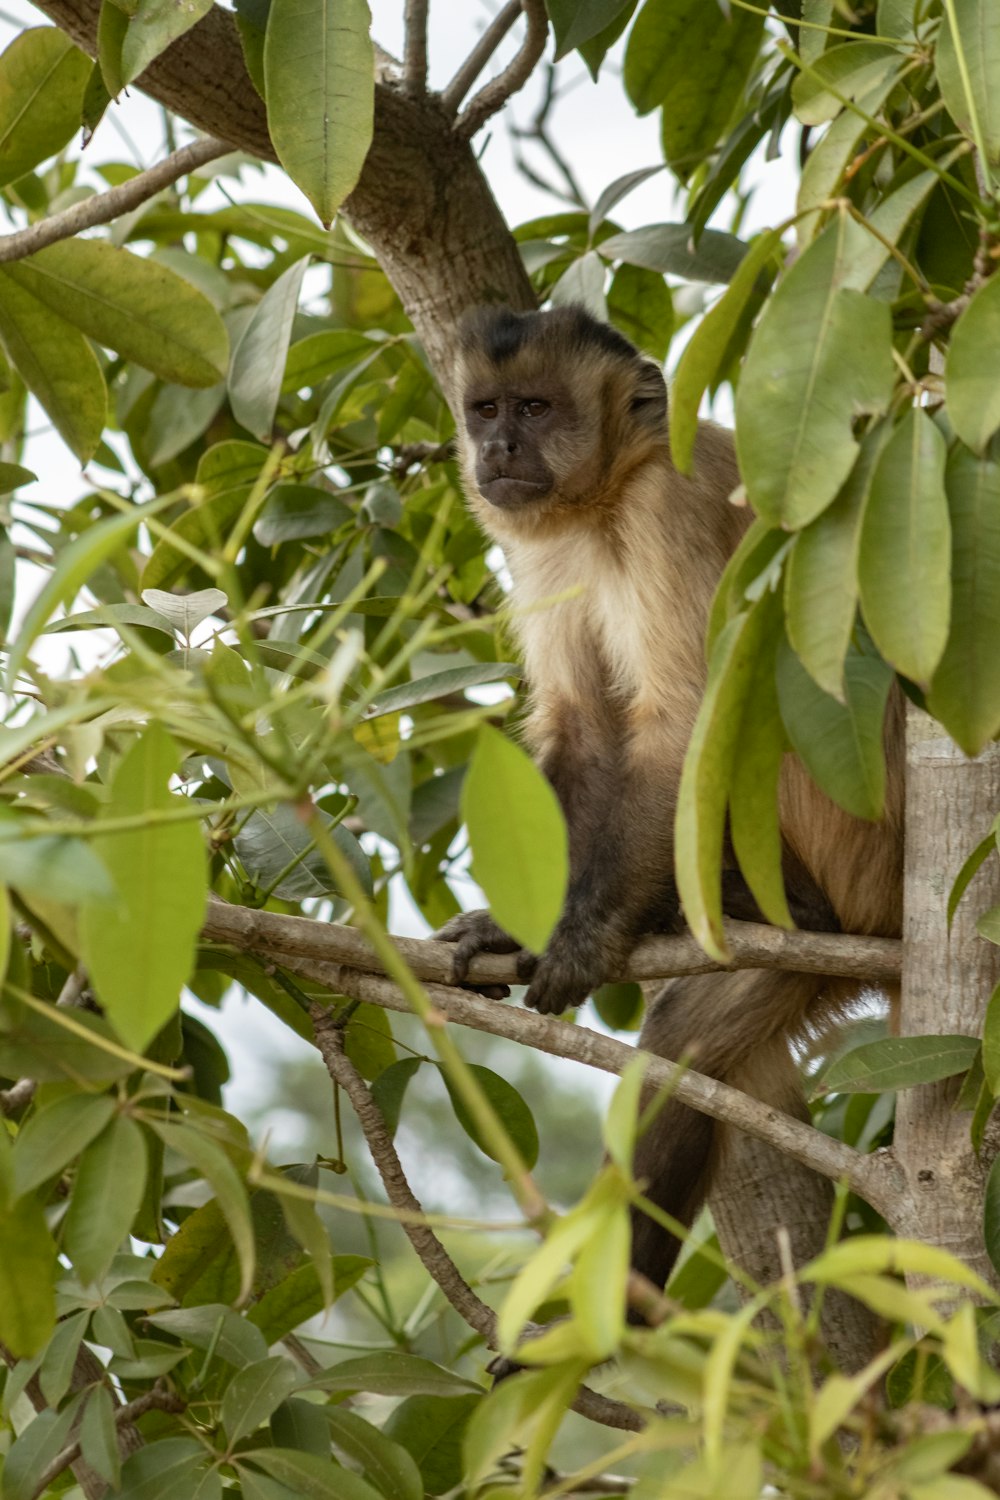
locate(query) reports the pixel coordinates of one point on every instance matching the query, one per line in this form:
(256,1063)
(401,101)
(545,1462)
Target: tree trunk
(948,976)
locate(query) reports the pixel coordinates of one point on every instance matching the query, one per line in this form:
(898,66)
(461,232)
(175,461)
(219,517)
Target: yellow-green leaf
(42,82)
(57,365)
(152,27)
(107,1193)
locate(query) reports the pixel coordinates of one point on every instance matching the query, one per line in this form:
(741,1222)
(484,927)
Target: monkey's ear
(649,395)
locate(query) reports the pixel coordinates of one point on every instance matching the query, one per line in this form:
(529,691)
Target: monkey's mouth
(505,492)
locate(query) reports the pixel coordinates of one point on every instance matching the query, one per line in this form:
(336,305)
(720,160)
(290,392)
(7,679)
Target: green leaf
(173,1469)
(509,1107)
(27,1273)
(99,1435)
(753,790)
(56,364)
(392,1373)
(598,1280)
(12,476)
(107,1192)
(819,357)
(152,28)
(970,867)
(204,527)
(846,72)
(904,560)
(184,612)
(968,67)
(112,614)
(300,1296)
(59,868)
(640,304)
(390,1087)
(693,60)
(703,356)
(518,838)
(140,951)
(821,577)
(972,371)
(294,511)
(129,303)
(839,743)
(670,250)
(253,1394)
(75,565)
(386,1463)
(216,1327)
(259,357)
(319,69)
(965,689)
(708,768)
(988,925)
(277,843)
(991,1215)
(900,1062)
(620,1006)
(50,1139)
(42,82)
(991,1043)
(577,21)
(312,360)
(432,1429)
(309,1476)
(212,1163)
(441,685)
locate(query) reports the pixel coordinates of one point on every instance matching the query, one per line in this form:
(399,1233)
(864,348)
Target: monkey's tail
(734,1027)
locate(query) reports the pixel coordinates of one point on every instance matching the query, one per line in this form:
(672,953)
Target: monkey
(565,458)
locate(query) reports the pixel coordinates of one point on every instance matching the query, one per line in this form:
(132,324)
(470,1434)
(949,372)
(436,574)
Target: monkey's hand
(573,965)
(475,932)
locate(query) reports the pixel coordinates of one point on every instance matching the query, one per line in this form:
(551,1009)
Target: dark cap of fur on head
(500,333)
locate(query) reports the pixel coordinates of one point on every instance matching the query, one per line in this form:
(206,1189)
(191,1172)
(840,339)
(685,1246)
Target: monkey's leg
(733,1027)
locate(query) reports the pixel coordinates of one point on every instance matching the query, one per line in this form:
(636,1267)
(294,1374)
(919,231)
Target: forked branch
(494,95)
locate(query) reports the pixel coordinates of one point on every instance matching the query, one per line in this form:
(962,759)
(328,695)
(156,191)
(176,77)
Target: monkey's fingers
(475,932)
(527,963)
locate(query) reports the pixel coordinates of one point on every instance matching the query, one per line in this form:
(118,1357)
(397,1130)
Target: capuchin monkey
(566,463)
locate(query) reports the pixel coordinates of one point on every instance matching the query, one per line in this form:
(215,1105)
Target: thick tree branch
(494,95)
(434,1257)
(103,207)
(415,46)
(753,946)
(455,92)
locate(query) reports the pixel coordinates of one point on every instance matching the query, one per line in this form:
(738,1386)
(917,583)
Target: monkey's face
(509,432)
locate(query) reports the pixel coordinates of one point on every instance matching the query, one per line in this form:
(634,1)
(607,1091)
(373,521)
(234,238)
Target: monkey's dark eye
(486,409)
(533,408)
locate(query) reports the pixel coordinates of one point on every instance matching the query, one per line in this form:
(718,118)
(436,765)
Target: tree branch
(455,92)
(494,95)
(415,46)
(753,946)
(103,207)
(434,1257)
(157,1399)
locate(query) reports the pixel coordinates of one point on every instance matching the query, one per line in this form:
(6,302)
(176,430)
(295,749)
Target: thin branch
(103,207)
(22,1092)
(455,92)
(157,1399)
(538,131)
(415,46)
(752,944)
(434,1257)
(494,95)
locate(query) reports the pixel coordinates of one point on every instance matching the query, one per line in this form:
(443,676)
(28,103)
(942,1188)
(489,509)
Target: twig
(434,1257)
(157,1399)
(22,1092)
(455,92)
(494,95)
(415,46)
(104,207)
(538,131)
(753,946)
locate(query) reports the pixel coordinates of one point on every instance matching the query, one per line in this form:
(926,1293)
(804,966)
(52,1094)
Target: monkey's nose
(495,449)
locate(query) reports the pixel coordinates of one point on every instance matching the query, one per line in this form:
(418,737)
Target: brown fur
(614,567)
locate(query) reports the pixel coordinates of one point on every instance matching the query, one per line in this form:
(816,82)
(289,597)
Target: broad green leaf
(509,1107)
(702,358)
(27,1274)
(168,1470)
(309,1476)
(277,851)
(319,69)
(42,82)
(670,249)
(217,1327)
(620,1006)
(254,1392)
(129,303)
(753,790)
(821,577)
(57,365)
(904,559)
(598,1280)
(965,689)
(988,925)
(76,563)
(312,360)
(900,1062)
(186,611)
(819,357)
(622,1119)
(140,950)
(849,71)
(596,50)
(152,28)
(970,867)
(441,685)
(368,1042)
(432,1429)
(705,781)
(824,169)
(386,1463)
(884,1254)
(968,67)
(204,527)
(577,21)
(972,369)
(177,418)
(518,838)
(113,615)
(991,1043)
(56,867)
(392,1373)
(390,1087)
(535,1281)
(693,60)
(50,1139)
(639,303)
(991,1215)
(617,190)
(754,567)
(107,1192)
(300,1296)
(294,511)
(212,1163)
(869,241)
(99,1435)
(12,476)
(259,357)
(839,743)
